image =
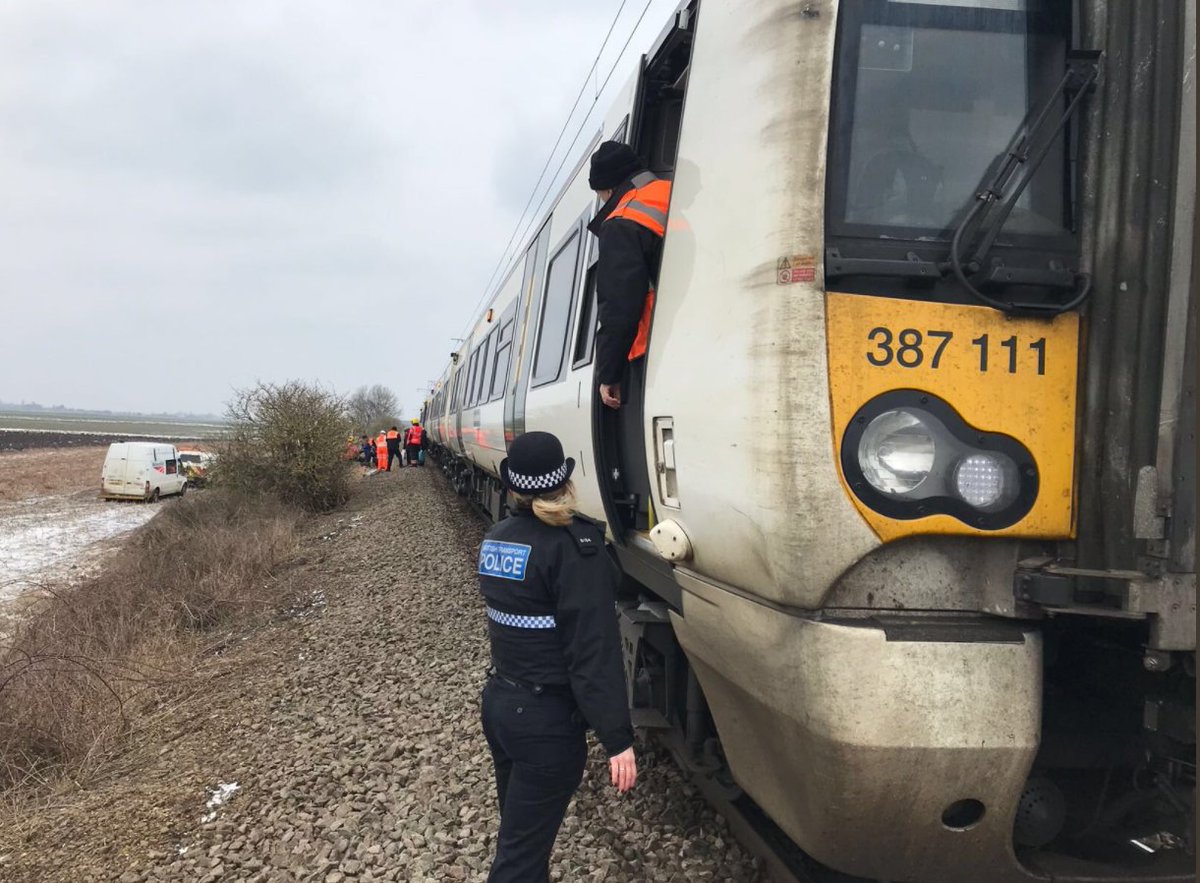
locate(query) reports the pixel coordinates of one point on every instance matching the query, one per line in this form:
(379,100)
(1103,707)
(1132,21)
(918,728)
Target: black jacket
(550,594)
(627,269)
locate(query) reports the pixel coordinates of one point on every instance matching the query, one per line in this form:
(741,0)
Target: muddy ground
(350,727)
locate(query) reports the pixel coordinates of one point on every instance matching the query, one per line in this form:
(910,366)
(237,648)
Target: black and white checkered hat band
(531,484)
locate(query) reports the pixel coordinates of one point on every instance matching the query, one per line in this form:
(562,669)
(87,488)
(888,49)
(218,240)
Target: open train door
(620,436)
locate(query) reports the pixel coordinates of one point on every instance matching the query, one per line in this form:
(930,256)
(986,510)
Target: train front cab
(942,631)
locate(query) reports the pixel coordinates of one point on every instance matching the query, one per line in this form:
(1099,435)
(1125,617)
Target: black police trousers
(539,748)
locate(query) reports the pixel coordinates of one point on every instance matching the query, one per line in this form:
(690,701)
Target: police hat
(535,464)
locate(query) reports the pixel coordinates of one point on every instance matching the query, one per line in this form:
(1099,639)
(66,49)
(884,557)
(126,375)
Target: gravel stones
(351,725)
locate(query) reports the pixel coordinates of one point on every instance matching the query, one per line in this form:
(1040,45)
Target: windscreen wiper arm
(1083,68)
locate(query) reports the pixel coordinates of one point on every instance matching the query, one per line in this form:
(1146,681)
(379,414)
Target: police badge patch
(503,560)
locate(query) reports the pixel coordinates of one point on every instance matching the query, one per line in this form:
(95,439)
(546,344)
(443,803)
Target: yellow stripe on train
(1001,376)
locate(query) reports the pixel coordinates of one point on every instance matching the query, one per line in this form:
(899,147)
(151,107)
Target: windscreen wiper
(992,206)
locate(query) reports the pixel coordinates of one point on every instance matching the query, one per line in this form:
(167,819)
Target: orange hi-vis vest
(392,433)
(645,204)
(414,435)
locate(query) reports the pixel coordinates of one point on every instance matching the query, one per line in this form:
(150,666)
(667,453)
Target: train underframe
(918,746)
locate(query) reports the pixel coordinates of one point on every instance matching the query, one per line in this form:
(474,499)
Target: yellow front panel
(1015,376)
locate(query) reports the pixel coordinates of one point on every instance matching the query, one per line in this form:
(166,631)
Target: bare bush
(88,660)
(288,441)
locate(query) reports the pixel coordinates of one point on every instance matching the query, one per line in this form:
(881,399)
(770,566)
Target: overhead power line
(567,153)
(557,141)
(505,256)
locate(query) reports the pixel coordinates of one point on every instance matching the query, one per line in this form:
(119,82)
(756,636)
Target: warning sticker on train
(796,268)
(503,560)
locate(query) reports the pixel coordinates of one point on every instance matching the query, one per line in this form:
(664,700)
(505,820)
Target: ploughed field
(350,727)
(36,429)
(23,440)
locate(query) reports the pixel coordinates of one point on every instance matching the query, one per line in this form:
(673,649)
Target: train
(904,487)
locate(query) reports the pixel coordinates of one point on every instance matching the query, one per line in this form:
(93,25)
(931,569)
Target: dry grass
(92,660)
(44,471)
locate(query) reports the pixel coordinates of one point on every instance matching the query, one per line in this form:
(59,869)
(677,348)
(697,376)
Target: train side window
(456,393)
(555,319)
(585,334)
(468,380)
(482,368)
(472,364)
(503,352)
(480,373)
(468,372)
(472,379)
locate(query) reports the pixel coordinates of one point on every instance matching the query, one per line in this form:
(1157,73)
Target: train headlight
(985,480)
(896,453)
(908,454)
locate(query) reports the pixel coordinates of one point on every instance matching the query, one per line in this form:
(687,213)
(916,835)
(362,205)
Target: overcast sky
(198,195)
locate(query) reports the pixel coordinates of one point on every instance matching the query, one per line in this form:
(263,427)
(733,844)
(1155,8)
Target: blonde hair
(556,508)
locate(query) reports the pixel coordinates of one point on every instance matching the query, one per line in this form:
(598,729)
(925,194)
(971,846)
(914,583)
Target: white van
(141,471)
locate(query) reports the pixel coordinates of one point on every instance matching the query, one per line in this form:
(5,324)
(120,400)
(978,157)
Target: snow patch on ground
(41,538)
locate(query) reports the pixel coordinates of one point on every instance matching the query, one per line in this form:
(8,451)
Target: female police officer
(556,658)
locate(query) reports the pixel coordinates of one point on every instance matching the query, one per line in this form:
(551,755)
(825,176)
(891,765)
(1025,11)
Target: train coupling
(1166,601)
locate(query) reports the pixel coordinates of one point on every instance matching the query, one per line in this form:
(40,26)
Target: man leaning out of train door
(630,225)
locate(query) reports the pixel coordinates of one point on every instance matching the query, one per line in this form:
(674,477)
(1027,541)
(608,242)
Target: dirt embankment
(349,725)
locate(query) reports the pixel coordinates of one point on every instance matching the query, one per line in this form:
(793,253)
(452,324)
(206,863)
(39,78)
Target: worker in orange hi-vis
(381,451)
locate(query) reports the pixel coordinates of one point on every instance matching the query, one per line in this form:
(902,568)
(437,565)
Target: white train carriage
(904,490)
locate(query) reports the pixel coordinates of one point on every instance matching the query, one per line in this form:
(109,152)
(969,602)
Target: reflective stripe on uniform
(519,621)
(656,215)
(645,204)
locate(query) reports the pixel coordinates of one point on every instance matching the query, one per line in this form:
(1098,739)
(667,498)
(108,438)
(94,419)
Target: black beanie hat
(612,163)
(535,464)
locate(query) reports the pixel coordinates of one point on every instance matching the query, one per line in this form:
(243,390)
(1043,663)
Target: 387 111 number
(910,348)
